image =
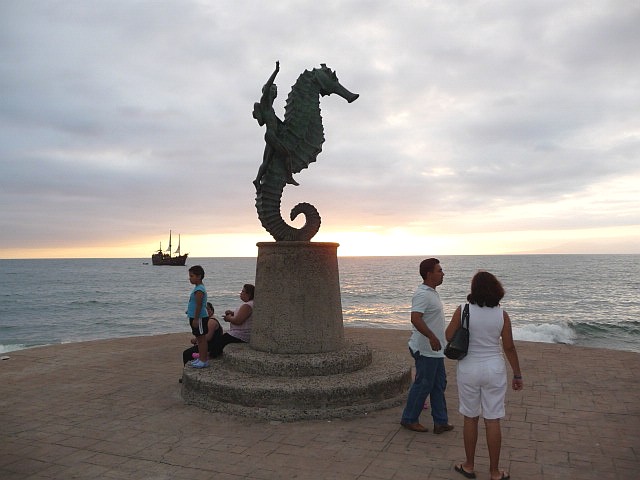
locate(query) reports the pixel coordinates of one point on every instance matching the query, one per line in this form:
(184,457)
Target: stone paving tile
(117,418)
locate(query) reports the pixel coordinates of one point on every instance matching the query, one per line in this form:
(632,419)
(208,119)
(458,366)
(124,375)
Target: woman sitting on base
(240,320)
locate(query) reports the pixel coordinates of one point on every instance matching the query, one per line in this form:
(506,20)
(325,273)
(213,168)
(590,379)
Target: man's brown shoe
(415,427)
(438,429)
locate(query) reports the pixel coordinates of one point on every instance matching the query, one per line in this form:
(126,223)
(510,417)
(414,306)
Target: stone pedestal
(298,365)
(297,306)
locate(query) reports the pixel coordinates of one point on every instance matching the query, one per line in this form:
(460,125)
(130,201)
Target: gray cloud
(121,118)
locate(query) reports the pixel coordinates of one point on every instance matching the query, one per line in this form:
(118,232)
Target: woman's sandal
(460,469)
(505,475)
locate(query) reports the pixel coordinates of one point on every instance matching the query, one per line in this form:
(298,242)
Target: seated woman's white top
(242,331)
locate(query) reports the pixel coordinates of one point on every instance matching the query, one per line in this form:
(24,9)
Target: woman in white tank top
(482,374)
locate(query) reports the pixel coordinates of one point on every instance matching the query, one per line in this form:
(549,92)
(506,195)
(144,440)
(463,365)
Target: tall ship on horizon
(164,257)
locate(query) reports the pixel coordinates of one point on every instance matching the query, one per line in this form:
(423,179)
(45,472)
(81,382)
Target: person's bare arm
(198,296)
(244,312)
(266,97)
(510,352)
(453,326)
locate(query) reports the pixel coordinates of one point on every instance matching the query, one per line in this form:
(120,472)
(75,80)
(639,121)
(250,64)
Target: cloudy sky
(481,127)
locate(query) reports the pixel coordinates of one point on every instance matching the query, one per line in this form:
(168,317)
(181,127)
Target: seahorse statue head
(329,83)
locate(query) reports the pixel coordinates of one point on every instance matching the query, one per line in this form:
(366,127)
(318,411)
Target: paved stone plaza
(112,410)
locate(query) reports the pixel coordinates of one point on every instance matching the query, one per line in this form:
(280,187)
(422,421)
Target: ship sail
(178,249)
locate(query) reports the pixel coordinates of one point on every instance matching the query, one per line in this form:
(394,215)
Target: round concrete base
(223,387)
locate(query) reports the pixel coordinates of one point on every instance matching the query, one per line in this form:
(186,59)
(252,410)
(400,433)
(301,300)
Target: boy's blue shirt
(191,306)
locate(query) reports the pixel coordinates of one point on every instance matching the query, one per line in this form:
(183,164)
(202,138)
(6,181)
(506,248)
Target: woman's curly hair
(486,290)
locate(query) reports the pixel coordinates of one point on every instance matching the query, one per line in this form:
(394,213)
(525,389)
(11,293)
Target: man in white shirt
(426,346)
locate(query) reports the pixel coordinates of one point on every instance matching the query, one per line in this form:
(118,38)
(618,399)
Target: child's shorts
(199,328)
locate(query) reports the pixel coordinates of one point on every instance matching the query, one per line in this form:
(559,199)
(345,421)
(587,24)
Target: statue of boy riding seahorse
(291,146)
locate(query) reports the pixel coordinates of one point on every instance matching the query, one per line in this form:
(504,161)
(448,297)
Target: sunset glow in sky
(481,128)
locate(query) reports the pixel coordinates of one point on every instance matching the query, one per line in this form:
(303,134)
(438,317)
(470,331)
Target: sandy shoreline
(112,409)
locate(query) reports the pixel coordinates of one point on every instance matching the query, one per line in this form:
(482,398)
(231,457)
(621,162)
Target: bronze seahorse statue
(291,146)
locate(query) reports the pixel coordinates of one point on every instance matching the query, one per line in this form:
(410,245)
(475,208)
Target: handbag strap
(465,317)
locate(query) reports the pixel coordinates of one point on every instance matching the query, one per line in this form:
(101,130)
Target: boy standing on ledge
(426,347)
(198,316)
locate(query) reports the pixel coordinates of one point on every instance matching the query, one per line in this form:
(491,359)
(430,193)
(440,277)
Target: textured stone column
(297,305)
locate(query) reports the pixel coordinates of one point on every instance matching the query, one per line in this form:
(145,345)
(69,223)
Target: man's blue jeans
(431,380)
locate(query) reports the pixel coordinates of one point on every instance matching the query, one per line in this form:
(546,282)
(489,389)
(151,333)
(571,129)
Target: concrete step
(381,384)
(353,356)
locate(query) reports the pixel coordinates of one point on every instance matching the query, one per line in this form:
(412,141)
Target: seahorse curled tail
(268,207)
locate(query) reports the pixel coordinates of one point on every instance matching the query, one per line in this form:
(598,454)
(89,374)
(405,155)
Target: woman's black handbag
(457,348)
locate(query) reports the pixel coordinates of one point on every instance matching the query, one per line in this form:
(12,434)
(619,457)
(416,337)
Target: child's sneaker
(199,364)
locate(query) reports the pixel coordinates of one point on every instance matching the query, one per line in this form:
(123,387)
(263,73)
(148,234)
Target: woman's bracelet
(517,377)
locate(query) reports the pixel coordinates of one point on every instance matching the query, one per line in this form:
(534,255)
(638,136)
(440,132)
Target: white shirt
(485,328)
(427,302)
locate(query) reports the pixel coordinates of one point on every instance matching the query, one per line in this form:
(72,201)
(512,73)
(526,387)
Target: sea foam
(545,332)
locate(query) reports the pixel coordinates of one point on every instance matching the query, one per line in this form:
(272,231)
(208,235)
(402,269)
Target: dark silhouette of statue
(290,146)
(265,115)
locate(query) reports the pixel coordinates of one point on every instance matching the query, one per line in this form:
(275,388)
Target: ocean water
(589,300)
